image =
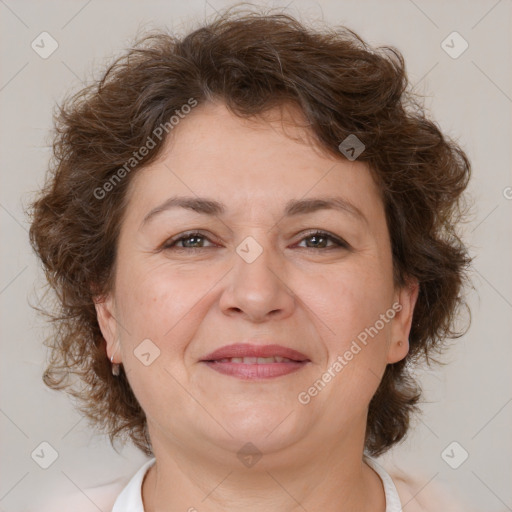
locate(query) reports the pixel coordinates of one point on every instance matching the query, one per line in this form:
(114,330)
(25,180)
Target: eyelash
(171,243)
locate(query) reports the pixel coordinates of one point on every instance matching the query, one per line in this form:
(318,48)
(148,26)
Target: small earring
(115,366)
(400,343)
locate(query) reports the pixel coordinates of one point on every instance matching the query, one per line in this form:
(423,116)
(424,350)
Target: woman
(251,232)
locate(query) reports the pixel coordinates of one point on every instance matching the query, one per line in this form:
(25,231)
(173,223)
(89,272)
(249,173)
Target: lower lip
(255,371)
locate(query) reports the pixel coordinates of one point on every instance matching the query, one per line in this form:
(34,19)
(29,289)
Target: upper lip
(249,350)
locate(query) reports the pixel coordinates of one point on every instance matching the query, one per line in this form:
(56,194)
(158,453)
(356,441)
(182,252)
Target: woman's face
(254,273)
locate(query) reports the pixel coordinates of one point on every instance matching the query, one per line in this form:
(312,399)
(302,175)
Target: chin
(269,428)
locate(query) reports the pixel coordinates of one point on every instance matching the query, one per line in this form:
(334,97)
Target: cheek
(357,338)
(154,301)
(353,300)
(157,304)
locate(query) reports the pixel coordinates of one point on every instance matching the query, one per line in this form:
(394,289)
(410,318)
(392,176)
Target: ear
(106,314)
(405,300)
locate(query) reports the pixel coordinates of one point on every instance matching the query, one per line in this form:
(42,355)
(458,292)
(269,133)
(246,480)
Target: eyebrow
(293,207)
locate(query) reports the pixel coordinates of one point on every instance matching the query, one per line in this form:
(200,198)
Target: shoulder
(89,499)
(421,494)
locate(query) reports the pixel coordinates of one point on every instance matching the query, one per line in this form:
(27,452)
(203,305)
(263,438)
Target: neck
(332,478)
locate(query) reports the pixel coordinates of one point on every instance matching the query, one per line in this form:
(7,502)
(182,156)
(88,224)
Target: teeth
(255,360)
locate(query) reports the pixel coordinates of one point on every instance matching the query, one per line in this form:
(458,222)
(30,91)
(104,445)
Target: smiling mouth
(255,360)
(256,368)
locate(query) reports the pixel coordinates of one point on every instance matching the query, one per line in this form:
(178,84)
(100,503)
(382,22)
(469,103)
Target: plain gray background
(467,401)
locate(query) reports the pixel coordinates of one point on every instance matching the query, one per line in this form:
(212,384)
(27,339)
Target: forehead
(249,163)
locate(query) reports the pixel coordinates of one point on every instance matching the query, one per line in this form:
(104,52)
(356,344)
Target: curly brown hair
(253,62)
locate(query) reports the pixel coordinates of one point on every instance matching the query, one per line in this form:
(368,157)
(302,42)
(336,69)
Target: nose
(258,290)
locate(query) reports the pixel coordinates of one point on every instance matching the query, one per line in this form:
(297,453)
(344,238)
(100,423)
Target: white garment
(130,499)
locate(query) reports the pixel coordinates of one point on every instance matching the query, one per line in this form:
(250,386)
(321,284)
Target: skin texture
(189,302)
